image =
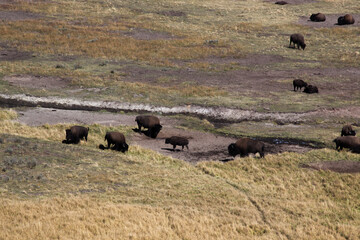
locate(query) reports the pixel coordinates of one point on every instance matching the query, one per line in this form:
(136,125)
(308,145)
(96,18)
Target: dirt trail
(218,113)
(202,146)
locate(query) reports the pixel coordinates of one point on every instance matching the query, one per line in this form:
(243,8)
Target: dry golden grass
(7,114)
(86,193)
(90,218)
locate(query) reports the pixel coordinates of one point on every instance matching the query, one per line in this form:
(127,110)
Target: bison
(347,19)
(180,141)
(350,142)
(311,89)
(298,40)
(347,131)
(117,139)
(281,2)
(152,123)
(298,83)
(244,146)
(75,133)
(317,17)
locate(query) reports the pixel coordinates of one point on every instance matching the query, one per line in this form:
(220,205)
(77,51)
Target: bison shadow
(172,150)
(227,159)
(146,132)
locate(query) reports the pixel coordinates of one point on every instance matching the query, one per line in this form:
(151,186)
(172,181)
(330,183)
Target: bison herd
(298,39)
(299,83)
(243,146)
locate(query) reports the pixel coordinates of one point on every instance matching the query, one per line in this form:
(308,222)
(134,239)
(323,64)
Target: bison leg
(139,126)
(174,146)
(109,144)
(76,140)
(187,147)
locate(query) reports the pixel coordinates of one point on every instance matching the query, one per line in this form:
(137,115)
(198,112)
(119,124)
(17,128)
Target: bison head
(68,134)
(155,130)
(125,147)
(232,150)
(303,46)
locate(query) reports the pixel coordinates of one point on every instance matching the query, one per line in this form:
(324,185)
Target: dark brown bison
(117,139)
(152,123)
(180,141)
(244,146)
(75,133)
(347,131)
(350,142)
(311,89)
(347,19)
(298,40)
(281,2)
(356,149)
(298,83)
(317,17)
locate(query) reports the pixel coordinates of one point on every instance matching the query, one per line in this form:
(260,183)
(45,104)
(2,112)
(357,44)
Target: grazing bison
(75,133)
(181,141)
(356,149)
(311,89)
(350,142)
(347,19)
(244,146)
(281,2)
(347,131)
(298,83)
(317,17)
(152,123)
(298,40)
(117,139)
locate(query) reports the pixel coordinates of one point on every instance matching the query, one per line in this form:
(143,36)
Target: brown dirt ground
(12,54)
(17,15)
(37,81)
(293,1)
(341,166)
(331,21)
(259,82)
(202,146)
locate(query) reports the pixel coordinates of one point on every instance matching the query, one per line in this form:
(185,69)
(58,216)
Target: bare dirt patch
(293,1)
(17,15)
(37,81)
(331,21)
(342,166)
(212,114)
(259,82)
(12,54)
(248,60)
(202,146)
(172,13)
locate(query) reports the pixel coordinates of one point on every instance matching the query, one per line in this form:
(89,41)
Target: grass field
(52,190)
(93,44)
(224,53)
